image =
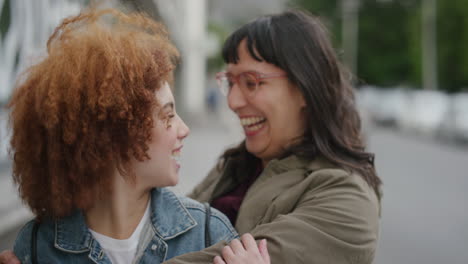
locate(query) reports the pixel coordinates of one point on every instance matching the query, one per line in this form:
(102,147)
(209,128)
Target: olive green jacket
(309,212)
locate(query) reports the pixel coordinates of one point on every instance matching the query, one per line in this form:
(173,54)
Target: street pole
(147,6)
(187,21)
(194,57)
(429,44)
(350,33)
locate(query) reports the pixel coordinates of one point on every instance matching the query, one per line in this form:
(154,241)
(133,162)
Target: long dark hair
(299,44)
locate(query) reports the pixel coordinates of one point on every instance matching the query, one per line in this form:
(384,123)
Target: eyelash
(169,119)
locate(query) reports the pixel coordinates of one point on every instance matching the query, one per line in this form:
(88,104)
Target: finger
(227,253)
(263,248)
(8,257)
(249,242)
(218,260)
(236,246)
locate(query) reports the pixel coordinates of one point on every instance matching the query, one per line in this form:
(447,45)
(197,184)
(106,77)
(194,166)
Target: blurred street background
(411,69)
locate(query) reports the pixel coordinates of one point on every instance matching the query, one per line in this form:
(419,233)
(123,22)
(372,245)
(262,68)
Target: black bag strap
(207,225)
(34,242)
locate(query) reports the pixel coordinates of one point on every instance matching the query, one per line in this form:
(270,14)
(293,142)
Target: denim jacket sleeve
(221,232)
(220,227)
(22,247)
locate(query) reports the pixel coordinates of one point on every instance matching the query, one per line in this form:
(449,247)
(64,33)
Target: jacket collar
(72,235)
(169,218)
(277,177)
(294,162)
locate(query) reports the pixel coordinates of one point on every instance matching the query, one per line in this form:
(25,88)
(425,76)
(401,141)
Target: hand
(7,257)
(246,252)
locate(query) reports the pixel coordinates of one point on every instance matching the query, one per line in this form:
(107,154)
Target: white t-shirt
(122,251)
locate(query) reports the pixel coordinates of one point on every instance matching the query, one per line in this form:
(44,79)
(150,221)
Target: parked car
(454,127)
(391,107)
(426,112)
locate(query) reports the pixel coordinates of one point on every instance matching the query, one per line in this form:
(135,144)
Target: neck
(118,214)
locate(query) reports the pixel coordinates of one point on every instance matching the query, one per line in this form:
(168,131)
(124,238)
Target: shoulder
(322,173)
(340,180)
(24,239)
(220,226)
(343,190)
(199,211)
(22,246)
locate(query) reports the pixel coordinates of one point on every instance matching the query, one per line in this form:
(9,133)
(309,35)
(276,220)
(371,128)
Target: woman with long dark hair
(302,177)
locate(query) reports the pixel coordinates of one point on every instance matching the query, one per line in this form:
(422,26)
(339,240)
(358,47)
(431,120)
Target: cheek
(288,121)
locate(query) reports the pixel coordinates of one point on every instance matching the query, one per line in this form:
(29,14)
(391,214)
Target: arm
(22,247)
(334,221)
(234,253)
(244,251)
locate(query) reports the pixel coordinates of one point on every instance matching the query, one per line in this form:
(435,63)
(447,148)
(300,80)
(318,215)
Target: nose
(236,98)
(183,130)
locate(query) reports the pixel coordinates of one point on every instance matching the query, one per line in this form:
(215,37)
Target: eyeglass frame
(257,75)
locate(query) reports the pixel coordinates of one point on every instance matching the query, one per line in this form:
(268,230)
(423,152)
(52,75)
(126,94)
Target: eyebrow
(169,105)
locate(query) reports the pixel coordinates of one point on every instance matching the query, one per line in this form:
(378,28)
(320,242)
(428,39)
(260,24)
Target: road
(424,219)
(424,216)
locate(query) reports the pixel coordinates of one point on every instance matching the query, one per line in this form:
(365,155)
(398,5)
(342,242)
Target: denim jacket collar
(169,216)
(169,219)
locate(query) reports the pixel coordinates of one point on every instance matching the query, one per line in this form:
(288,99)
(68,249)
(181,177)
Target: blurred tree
(147,6)
(452,40)
(384,36)
(216,62)
(328,10)
(384,40)
(390,37)
(452,36)
(4,18)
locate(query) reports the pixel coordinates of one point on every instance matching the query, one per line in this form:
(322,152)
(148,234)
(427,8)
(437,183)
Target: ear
(302,100)
(298,94)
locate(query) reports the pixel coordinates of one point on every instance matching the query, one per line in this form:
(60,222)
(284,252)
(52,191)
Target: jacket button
(154,247)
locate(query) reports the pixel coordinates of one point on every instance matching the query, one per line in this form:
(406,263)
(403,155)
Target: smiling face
(164,149)
(274,117)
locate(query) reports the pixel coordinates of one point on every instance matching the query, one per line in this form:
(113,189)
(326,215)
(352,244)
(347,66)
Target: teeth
(176,154)
(251,120)
(253,128)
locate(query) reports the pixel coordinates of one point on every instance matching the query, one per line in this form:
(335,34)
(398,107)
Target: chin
(174,181)
(255,150)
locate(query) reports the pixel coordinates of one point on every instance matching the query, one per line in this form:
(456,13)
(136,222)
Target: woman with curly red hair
(95,138)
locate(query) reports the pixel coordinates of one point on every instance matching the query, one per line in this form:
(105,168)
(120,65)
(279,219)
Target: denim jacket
(177,227)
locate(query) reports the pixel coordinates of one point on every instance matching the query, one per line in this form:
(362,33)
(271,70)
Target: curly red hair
(87,108)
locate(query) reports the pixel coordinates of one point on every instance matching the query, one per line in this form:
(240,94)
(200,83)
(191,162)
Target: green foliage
(327,10)
(452,37)
(390,51)
(215,63)
(383,56)
(4,18)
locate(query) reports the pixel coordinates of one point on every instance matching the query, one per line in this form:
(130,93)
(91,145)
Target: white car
(426,112)
(455,124)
